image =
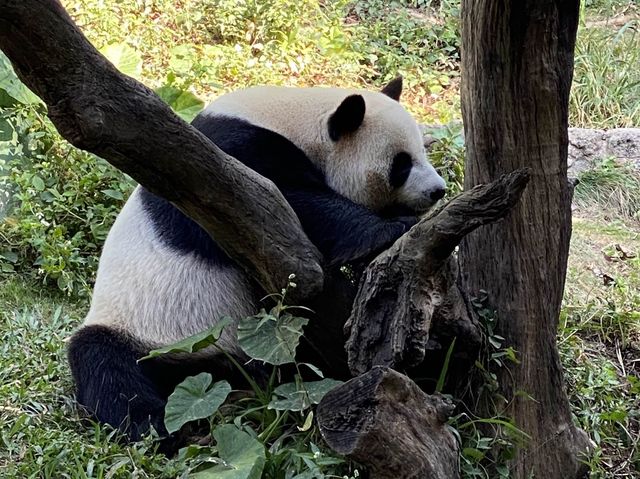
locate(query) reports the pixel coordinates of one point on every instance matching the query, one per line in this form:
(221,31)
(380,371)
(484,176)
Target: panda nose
(437,194)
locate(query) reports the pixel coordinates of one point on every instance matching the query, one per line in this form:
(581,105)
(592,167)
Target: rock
(624,144)
(586,147)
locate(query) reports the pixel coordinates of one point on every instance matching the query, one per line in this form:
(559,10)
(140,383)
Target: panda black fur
(341,158)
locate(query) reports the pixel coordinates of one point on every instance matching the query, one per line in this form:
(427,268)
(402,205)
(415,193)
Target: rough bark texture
(100,110)
(383,420)
(391,315)
(517,59)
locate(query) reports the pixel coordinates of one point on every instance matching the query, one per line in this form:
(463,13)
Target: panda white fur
(347,161)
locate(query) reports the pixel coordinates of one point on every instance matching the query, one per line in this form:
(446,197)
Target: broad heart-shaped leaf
(184,103)
(243,456)
(193,400)
(194,343)
(299,396)
(124,58)
(270,339)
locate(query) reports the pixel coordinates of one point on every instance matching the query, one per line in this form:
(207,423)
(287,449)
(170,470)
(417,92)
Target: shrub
(60,201)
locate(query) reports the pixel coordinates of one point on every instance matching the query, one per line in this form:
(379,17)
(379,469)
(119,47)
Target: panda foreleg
(344,231)
(110,383)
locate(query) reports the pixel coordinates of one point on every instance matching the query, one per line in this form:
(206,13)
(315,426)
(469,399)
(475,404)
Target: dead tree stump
(384,420)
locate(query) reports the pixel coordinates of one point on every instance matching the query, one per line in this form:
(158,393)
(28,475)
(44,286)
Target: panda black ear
(347,118)
(393,89)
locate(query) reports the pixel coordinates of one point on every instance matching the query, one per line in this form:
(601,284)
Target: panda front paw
(407,221)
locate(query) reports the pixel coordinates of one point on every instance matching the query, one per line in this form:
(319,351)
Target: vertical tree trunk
(517,60)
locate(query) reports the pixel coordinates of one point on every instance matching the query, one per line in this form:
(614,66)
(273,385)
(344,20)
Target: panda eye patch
(400,169)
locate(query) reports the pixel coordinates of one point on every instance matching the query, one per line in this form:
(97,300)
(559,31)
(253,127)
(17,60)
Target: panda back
(160,294)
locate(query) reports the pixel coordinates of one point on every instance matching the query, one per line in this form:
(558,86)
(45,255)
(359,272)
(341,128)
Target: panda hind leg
(111,385)
(131,396)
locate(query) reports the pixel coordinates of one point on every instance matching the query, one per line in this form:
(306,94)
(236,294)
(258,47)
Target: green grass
(41,433)
(610,188)
(606,84)
(608,8)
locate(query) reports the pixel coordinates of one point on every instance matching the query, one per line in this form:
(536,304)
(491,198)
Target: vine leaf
(242,455)
(194,399)
(269,338)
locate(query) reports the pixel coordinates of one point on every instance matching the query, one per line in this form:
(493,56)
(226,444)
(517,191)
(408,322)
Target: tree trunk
(517,66)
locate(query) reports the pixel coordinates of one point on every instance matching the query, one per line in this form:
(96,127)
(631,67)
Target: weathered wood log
(452,320)
(384,421)
(102,111)
(391,315)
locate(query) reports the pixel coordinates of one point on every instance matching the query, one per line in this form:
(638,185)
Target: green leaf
(181,58)
(185,104)
(38,183)
(124,58)
(243,456)
(445,367)
(270,339)
(617,415)
(194,343)
(6,268)
(115,194)
(193,400)
(12,90)
(10,256)
(308,422)
(6,130)
(298,397)
(472,453)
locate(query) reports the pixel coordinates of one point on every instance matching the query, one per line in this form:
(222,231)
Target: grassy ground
(599,334)
(606,84)
(41,433)
(599,341)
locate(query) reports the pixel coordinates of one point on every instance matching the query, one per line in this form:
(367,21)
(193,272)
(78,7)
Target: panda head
(376,154)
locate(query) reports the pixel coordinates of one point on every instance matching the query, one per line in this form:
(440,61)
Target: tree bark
(383,420)
(517,66)
(102,111)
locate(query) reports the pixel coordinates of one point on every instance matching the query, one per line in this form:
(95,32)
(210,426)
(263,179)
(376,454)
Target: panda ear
(393,89)
(347,118)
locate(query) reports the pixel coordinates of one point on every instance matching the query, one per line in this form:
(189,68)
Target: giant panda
(351,164)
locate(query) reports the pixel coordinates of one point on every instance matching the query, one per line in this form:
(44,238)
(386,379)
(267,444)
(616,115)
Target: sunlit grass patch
(599,338)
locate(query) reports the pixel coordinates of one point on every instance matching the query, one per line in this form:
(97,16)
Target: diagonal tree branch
(107,113)
(391,315)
